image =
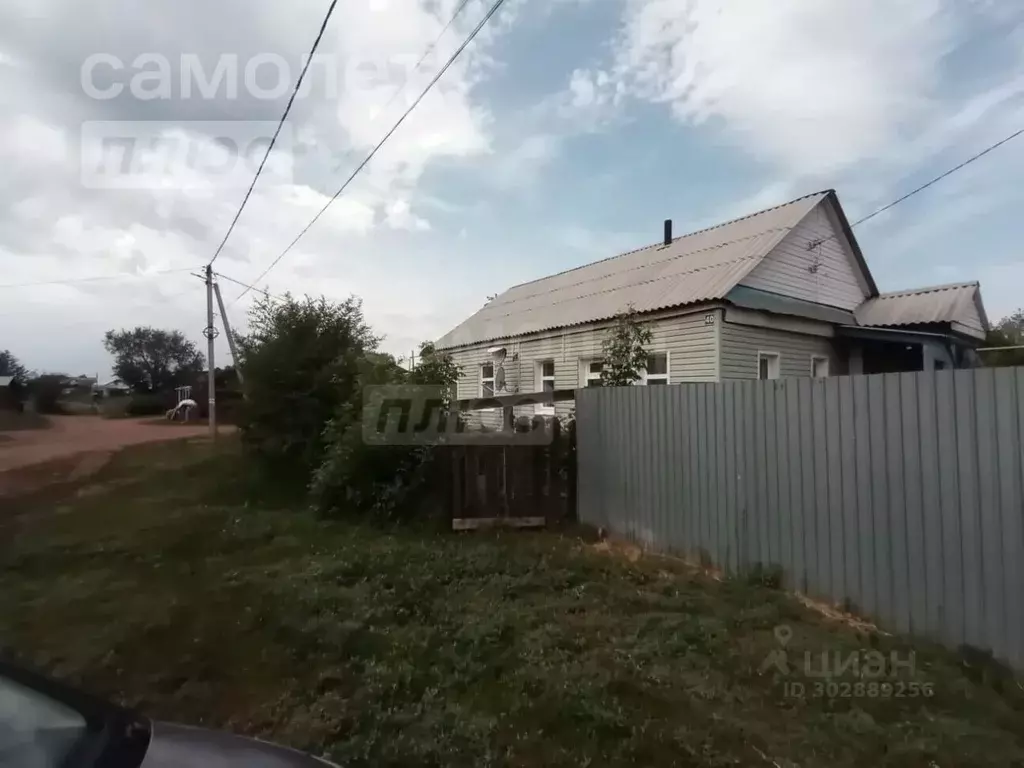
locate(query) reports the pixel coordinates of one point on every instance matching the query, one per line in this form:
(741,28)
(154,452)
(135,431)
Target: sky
(565,133)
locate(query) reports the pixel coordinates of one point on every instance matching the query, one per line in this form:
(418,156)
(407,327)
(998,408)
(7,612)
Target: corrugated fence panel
(900,493)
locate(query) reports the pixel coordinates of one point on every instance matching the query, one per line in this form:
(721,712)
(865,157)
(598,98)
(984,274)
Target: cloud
(172,210)
(812,87)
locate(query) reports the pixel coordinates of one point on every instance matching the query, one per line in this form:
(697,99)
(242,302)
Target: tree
(1008,332)
(45,391)
(10,366)
(153,360)
(624,352)
(301,362)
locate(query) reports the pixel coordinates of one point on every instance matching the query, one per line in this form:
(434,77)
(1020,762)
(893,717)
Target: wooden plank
(483,523)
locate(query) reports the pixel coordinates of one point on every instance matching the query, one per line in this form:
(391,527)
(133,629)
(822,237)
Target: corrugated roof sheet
(940,304)
(700,266)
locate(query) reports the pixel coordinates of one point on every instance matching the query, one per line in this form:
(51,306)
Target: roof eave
(844,223)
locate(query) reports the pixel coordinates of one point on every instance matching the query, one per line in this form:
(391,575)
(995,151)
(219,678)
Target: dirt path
(73,447)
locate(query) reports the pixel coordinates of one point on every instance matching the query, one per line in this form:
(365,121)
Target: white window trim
(828,366)
(771,356)
(538,380)
(668,367)
(584,370)
(482,379)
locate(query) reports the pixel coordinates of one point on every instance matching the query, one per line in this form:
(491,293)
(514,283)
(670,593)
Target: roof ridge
(674,239)
(928,289)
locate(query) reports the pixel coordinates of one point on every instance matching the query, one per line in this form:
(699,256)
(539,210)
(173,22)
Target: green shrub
(301,362)
(46,391)
(154,404)
(380,480)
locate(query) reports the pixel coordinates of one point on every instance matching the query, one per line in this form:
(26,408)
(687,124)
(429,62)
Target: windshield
(35,730)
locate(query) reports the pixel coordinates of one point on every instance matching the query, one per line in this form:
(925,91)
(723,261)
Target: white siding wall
(790,268)
(689,340)
(741,343)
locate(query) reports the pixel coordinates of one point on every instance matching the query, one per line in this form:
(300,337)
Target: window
(487,380)
(767,365)
(657,369)
(590,373)
(819,367)
(545,383)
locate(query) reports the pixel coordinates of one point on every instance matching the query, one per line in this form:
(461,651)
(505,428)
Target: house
(782,292)
(113,388)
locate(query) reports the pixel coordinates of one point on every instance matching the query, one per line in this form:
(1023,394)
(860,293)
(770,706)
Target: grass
(163,585)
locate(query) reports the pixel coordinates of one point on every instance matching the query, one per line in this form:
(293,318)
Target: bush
(46,391)
(301,363)
(152,404)
(356,478)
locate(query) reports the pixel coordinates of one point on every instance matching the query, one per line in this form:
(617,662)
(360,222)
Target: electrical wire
(816,242)
(938,178)
(429,49)
(280,125)
(99,278)
(451,60)
(269,295)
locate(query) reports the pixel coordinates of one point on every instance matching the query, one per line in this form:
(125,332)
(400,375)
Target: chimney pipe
(668,232)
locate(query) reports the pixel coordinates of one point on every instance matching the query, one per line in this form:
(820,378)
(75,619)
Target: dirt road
(76,445)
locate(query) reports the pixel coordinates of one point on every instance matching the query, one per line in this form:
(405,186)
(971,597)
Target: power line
(938,178)
(493,9)
(429,49)
(269,295)
(98,278)
(280,125)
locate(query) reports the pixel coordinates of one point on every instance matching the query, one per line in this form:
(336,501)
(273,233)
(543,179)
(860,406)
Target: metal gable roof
(955,303)
(700,266)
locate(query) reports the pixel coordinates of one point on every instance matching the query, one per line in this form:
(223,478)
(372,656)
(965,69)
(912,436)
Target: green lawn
(158,584)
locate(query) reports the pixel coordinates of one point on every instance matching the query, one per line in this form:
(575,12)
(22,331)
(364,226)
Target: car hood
(180,746)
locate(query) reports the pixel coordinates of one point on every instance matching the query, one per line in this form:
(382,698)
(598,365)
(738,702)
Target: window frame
(770,356)
(585,373)
(480,387)
(828,366)
(667,375)
(538,379)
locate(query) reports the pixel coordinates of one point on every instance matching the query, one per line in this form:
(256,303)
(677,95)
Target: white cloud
(812,87)
(373,241)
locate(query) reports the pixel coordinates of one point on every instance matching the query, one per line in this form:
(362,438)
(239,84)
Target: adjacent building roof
(6,381)
(700,266)
(958,304)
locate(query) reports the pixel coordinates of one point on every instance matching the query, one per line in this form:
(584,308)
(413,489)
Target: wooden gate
(522,486)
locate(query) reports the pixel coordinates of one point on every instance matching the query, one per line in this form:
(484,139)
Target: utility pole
(211,333)
(231,337)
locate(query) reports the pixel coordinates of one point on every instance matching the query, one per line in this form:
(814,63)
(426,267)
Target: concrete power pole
(231,337)
(211,333)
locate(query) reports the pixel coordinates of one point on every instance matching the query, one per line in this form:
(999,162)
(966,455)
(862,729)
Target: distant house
(114,388)
(779,293)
